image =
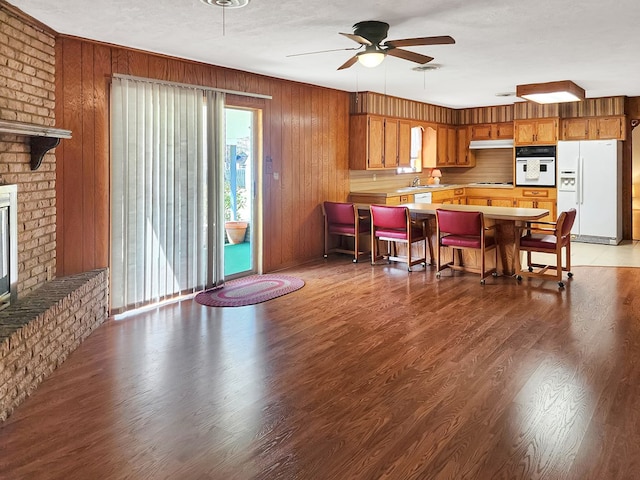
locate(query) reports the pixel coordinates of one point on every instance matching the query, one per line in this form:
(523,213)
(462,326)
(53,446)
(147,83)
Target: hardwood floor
(364,373)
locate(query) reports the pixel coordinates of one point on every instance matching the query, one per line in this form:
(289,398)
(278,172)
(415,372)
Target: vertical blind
(167,147)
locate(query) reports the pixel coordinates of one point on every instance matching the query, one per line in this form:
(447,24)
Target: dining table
(508,222)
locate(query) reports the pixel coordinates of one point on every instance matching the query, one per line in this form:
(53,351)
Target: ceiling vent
(226,3)
(426,68)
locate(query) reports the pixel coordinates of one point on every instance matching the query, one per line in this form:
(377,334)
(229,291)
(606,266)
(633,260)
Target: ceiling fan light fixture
(551,92)
(371,58)
(227,3)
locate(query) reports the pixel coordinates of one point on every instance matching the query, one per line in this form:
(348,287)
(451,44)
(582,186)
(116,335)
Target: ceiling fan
(370,35)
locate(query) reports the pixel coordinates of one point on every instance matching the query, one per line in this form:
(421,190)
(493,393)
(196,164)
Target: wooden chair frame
(341,248)
(459,265)
(392,252)
(541,270)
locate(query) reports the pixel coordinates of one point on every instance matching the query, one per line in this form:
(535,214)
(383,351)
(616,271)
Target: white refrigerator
(590,180)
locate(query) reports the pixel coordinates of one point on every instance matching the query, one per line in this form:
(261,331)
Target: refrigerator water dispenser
(567,182)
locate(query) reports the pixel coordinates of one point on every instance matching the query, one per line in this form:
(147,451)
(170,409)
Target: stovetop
(492,183)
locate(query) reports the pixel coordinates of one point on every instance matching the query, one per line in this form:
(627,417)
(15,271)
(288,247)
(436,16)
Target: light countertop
(429,188)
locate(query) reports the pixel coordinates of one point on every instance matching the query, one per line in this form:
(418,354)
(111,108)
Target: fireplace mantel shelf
(41,138)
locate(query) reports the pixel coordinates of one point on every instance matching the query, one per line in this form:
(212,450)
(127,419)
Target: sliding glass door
(166,191)
(240,199)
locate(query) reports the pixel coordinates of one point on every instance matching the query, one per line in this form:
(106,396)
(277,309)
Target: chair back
(460,223)
(565,222)
(340,213)
(389,217)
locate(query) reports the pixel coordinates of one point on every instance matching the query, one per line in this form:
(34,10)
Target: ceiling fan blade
(413,42)
(357,38)
(323,51)
(348,63)
(411,56)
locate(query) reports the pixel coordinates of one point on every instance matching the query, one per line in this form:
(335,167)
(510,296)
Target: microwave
(536,166)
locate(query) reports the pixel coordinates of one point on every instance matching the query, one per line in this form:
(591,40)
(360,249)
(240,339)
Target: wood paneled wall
(379,104)
(497,114)
(305,135)
(590,107)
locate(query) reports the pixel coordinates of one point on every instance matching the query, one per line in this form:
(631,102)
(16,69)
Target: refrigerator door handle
(580,180)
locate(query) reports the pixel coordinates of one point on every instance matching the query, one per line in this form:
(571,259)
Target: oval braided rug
(249,290)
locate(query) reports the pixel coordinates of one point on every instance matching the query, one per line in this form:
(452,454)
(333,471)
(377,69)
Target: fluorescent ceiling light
(551,92)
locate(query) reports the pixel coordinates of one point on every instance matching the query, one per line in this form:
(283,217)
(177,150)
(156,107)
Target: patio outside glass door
(239,193)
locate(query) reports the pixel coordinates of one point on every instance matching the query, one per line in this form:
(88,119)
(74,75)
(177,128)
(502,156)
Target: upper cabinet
(491,131)
(404,143)
(465,157)
(447,146)
(594,128)
(540,131)
(379,143)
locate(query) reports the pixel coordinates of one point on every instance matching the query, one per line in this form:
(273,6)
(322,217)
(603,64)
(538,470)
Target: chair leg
(567,253)
(326,241)
(374,248)
(356,244)
(409,252)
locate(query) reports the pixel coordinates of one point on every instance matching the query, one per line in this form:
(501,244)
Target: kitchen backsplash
(492,165)
(495,165)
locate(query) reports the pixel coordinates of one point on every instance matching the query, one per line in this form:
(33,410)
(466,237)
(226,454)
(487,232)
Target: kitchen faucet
(416,182)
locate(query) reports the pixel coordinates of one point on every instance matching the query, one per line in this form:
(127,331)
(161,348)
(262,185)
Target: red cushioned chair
(394,224)
(464,231)
(546,237)
(343,220)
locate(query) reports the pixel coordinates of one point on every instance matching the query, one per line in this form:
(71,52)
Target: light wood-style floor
(365,373)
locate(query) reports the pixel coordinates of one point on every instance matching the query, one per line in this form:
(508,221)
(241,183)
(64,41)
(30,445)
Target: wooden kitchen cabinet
(540,131)
(404,143)
(449,196)
(503,130)
(390,157)
(464,157)
(380,199)
(496,197)
(366,142)
(539,198)
(377,143)
(594,128)
(490,201)
(492,131)
(474,200)
(447,145)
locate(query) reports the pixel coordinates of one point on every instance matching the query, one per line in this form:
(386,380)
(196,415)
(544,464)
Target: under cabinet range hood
(480,144)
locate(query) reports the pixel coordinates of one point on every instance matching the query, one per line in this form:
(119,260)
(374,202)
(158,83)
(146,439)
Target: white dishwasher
(422,197)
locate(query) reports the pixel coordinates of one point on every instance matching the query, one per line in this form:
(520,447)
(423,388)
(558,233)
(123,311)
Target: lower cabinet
(490,201)
(450,196)
(539,198)
(380,199)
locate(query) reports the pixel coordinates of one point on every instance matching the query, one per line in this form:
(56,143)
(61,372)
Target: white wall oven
(536,166)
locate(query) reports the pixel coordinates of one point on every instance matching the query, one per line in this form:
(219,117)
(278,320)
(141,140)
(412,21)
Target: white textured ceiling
(499,43)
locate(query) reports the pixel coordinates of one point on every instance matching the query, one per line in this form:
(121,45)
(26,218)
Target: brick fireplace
(50,316)
(27,95)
